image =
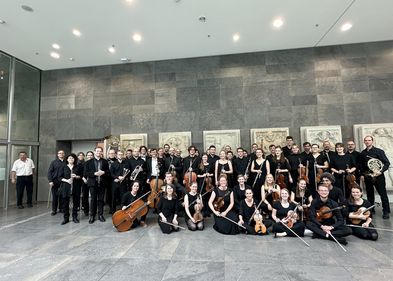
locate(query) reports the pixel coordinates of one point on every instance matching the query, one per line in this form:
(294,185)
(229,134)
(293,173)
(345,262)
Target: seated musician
(250,215)
(364,220)
(130,197)
(193,205)
(285,212)
(301,195)
(326,218)
(167,209)
(239,191)
(221,203)
(270,192)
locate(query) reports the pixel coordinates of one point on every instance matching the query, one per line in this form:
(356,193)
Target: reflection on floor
(34,246)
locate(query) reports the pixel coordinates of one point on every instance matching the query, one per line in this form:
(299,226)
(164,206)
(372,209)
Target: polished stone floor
(34,246)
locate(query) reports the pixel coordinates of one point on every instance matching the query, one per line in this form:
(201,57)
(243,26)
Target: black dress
(303,201)
(209,168)
(221,224)
(341,162)
(192,199)
(364,233)
(126,200)
(259,181)
(66,190)
(320,160)
(239,195)
(246,212)
(274,165)
(169,208)
(224,167)
(281,213)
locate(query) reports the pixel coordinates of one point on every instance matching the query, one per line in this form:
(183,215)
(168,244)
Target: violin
(318,173)
(259,228)
(218,204)
(198,214)
(303,171)
(291,217)
(363,211)
(280,179)
(123,219)
(351,179)
(326,213)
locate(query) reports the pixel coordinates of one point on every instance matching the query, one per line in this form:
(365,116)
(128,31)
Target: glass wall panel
(5,63)
(26,103)
(3,172)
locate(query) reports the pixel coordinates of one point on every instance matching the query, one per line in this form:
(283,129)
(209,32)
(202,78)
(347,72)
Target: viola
(198,214)
(280,178)
(218,204)
(326,213)
(291,217)
(363,211)
(303,171)
(319,172)
(208,184)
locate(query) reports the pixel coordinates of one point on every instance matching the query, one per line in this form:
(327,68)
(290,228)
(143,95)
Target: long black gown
(298,227)
(256,184)
(221,224)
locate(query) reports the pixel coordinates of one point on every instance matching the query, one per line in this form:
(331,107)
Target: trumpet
(135,173)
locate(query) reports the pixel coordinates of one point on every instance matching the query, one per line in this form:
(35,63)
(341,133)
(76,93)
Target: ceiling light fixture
(2,21)
(125,59)
(346,26)
(27,8)
(54,55)
(112,49)
(137,37)
(76,32)
(236,37)
(71,59)
(202,19)
(55,46)
(278,22)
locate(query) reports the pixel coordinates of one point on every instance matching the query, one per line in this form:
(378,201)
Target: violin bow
(174,225)
(369,227)
(335,240)
(132,203)
(232,221)
(284,224)
(256,209)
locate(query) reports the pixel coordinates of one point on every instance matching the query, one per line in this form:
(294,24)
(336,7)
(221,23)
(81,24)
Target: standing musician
(95,171)
(284,212)
(356,158)
(205,181)
(222,203)
(53,177)
(250,216)
(239,191)
(134,162)
(223,167)
(85,187)
(160,153)
(270,192)
(155,166)
(270,157)
(128,198)
(143,152)
(342,164)
(240,163)
(191,162)
(119,170)
(307,153)
(360,218)
(252,155)
(173,164)
(296,162)
(167,209)
(287,150)
(375,158)
(212,157)
(108,191)
(128,153)
(317,164)
(166,150)
(280,166)
(179,189)
(67,175)
(193,206)
(329,154)
(260,167)
(302,196)
(326,218)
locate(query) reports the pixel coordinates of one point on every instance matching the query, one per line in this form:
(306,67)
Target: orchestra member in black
(356,158)
(212,157)
(160,153)
(166,150)
(69,173)
(287,150)
(324,226)
(118,170)
(85,187)
(295,160)
(375,178)
(280,165)
(317,161)
(284,211)
(179,189)
(307,153)
(239,191)
(249,214)
(205,177)
(270,192)
(193,200)
(252,155)
(128,153)
(270,157)
(143,152)
(191,162)
(223,167)
(81,163)
(327,152)
(155,166)
(173,164)
(341,165)
(132,196)
(222,197)
(95,171)
(167,209)
(260,167)
(335,193)
(240,163)
(301,195)
(134,162)
(108,190)
(54,183)
(355,203)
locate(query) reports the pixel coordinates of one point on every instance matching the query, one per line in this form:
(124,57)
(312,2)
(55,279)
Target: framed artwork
(267,136)
(178,140)
(221,138)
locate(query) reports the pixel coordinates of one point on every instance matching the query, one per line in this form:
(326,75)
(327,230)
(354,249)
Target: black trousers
(298,227)
(365,233)
(380,185)
(118,190)
(85,198)
(76,199)
(97,199)
(21,183)
(56,202)
(66,207)
(340,231)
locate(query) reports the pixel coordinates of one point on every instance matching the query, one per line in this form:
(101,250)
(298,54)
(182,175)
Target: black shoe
(101,218)
(53,213)
(21,207)
(30,205)
(91,220)
(61,211)
(65,221)
(75,220)
(385,216)
(314,236)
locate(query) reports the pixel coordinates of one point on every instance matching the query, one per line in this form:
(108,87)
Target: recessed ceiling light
(236,37)
(112,49)
(54,55)
(27,8)
(125,59)
(55,46)
(2,21)
(278,22)
(71,59)
(137,37)
(346,26)
(129,1)
(202,19)
(76,32)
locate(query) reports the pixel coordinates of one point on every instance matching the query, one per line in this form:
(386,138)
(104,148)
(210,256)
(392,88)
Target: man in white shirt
(22,175)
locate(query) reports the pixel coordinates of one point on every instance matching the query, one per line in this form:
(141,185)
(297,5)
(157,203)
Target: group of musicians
(283,193)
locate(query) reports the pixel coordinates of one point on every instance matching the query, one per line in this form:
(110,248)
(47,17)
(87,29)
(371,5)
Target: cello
(280,178)
(155,188)
(303,172)
(189,177)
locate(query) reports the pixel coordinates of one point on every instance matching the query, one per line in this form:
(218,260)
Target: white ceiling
(170,28)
